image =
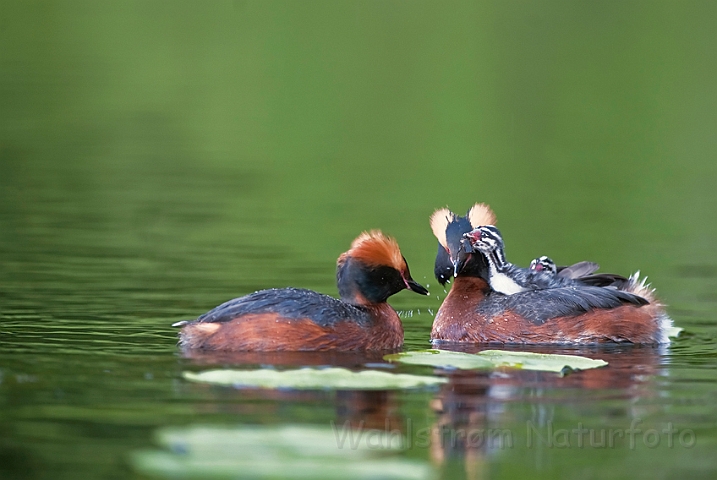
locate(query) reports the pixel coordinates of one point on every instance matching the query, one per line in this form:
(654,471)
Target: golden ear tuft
(480,214)
(439,221)
(375,248)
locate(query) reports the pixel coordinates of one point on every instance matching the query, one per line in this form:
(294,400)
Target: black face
(379,283)
(374,283)
(454,234)
(455,259)
(443,269)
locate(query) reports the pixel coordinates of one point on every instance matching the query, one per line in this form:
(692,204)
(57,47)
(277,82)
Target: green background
(160,157)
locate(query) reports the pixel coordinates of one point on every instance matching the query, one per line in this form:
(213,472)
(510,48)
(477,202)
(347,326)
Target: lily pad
(489,359)
(313,379)
(294,452)
(541,361)
(442,358)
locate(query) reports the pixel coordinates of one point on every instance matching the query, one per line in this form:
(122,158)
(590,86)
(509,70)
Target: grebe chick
(544,264)
(506,278)
(503,276)
(584,272)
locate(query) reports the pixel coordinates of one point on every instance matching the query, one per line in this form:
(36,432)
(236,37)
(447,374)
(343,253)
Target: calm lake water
(158,159)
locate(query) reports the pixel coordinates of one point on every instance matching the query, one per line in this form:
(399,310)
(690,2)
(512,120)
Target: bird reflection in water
(479,413)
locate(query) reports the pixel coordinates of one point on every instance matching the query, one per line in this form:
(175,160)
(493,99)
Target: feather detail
(579,269)
(439,222)
(375,248)
(481,214)
(639,286)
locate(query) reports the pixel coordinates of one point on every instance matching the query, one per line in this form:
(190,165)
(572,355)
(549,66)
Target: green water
(159,158)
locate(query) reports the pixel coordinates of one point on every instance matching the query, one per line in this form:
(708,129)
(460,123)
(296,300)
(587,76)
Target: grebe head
(544,264)
(373,269)
(452,259)
(486,239)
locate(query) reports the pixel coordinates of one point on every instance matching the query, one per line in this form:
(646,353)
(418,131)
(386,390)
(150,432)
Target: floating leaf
(278,452)
(442,358)
(540,361)
(489,359)
(313,379)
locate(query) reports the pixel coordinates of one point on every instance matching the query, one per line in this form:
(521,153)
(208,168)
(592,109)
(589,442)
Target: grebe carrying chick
(549,311)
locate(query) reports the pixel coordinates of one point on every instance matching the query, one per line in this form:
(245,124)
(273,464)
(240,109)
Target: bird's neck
(476,266)
(499,273)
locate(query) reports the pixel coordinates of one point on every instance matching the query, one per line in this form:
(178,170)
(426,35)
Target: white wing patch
(502,283)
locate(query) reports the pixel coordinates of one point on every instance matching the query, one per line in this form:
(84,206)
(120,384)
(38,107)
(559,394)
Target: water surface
(156,161)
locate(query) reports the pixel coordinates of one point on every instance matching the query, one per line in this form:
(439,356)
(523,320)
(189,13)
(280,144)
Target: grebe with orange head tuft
(293,319)
(489,305)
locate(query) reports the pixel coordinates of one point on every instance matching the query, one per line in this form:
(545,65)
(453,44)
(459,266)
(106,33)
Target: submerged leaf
(278,452)
(489,359)
(313,379)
